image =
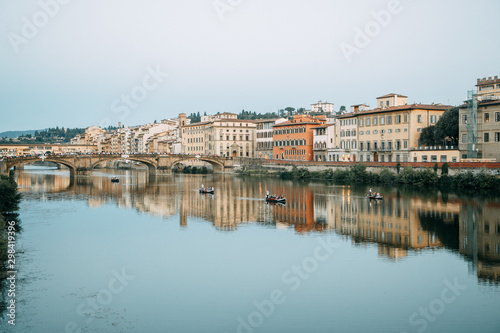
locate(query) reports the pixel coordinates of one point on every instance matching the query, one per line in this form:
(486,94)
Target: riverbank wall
(375,167)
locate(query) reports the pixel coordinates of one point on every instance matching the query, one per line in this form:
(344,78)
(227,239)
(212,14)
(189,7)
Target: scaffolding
(472,148)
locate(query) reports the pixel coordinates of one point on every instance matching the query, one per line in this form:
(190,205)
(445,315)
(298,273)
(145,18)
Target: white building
(264,140)
(322,107)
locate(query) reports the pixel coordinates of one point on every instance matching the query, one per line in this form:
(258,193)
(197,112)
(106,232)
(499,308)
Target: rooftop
(392,95)
(436,107)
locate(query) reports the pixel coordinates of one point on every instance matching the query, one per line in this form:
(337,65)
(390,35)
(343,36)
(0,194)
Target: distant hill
(15,134)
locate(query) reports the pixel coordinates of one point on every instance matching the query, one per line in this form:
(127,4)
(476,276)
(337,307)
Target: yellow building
(389,133)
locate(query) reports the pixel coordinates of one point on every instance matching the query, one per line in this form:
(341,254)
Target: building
(293,139)
(348,138)
(322,107)
(488,88)
(390,100)
(479,129)
(36,149)
(264,137)
(219,116)
(389,132)
(223,136)
(479,122)
(323,140)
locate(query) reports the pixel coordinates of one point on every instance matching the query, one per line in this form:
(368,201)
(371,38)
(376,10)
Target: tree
(342,108)
(9,196)
(444,168)
(428,137)
(289,110)
(446,127)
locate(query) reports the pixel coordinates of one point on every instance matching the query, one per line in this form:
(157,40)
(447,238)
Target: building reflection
(479,239)
(398,225)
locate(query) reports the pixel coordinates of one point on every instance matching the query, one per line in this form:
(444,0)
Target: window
(405,118)
(405,144)
(464,138)
(433,119)
(486,117)
(389,120)
(361,121)
(397,119)
(443,158)
(464,119)
(419,118)
(424,158)
(497,116)
(382,120)
(375,132)
(434,158)
(367,121)
(497,136)
(486,137)
(374,121)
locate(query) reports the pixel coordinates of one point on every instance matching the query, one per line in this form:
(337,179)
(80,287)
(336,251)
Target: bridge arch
(23,161)
(217,165)
(151,166)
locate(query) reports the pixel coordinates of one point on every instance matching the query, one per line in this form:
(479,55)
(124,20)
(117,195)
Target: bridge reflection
(403,224)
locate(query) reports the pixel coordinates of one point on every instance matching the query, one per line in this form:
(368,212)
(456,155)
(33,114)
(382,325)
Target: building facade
(264,137)
(322,107)
(293,140)
(222,137)
(479,130)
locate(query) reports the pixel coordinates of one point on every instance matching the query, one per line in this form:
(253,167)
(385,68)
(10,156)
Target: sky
(77,63)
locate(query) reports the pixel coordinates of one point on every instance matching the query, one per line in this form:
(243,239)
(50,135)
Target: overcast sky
(86,62)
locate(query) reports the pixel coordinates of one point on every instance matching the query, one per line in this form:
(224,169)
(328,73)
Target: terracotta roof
(220,120)
(391,95)
(398,108)
(289,123)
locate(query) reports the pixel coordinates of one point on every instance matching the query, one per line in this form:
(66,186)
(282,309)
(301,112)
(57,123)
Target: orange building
(293,140)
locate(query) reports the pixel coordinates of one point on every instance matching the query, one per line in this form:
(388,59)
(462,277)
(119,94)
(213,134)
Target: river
(154,255)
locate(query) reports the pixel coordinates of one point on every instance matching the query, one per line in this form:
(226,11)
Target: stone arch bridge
(83,164)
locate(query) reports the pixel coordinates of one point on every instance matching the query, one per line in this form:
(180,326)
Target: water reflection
(404,222)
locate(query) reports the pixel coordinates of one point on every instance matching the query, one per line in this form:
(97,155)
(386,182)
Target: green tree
(446,127)
(289,110)
(444,169)
(342,108)
(448,124)
(429,136)
(9,196)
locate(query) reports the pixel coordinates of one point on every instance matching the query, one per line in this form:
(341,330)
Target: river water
(154,255)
